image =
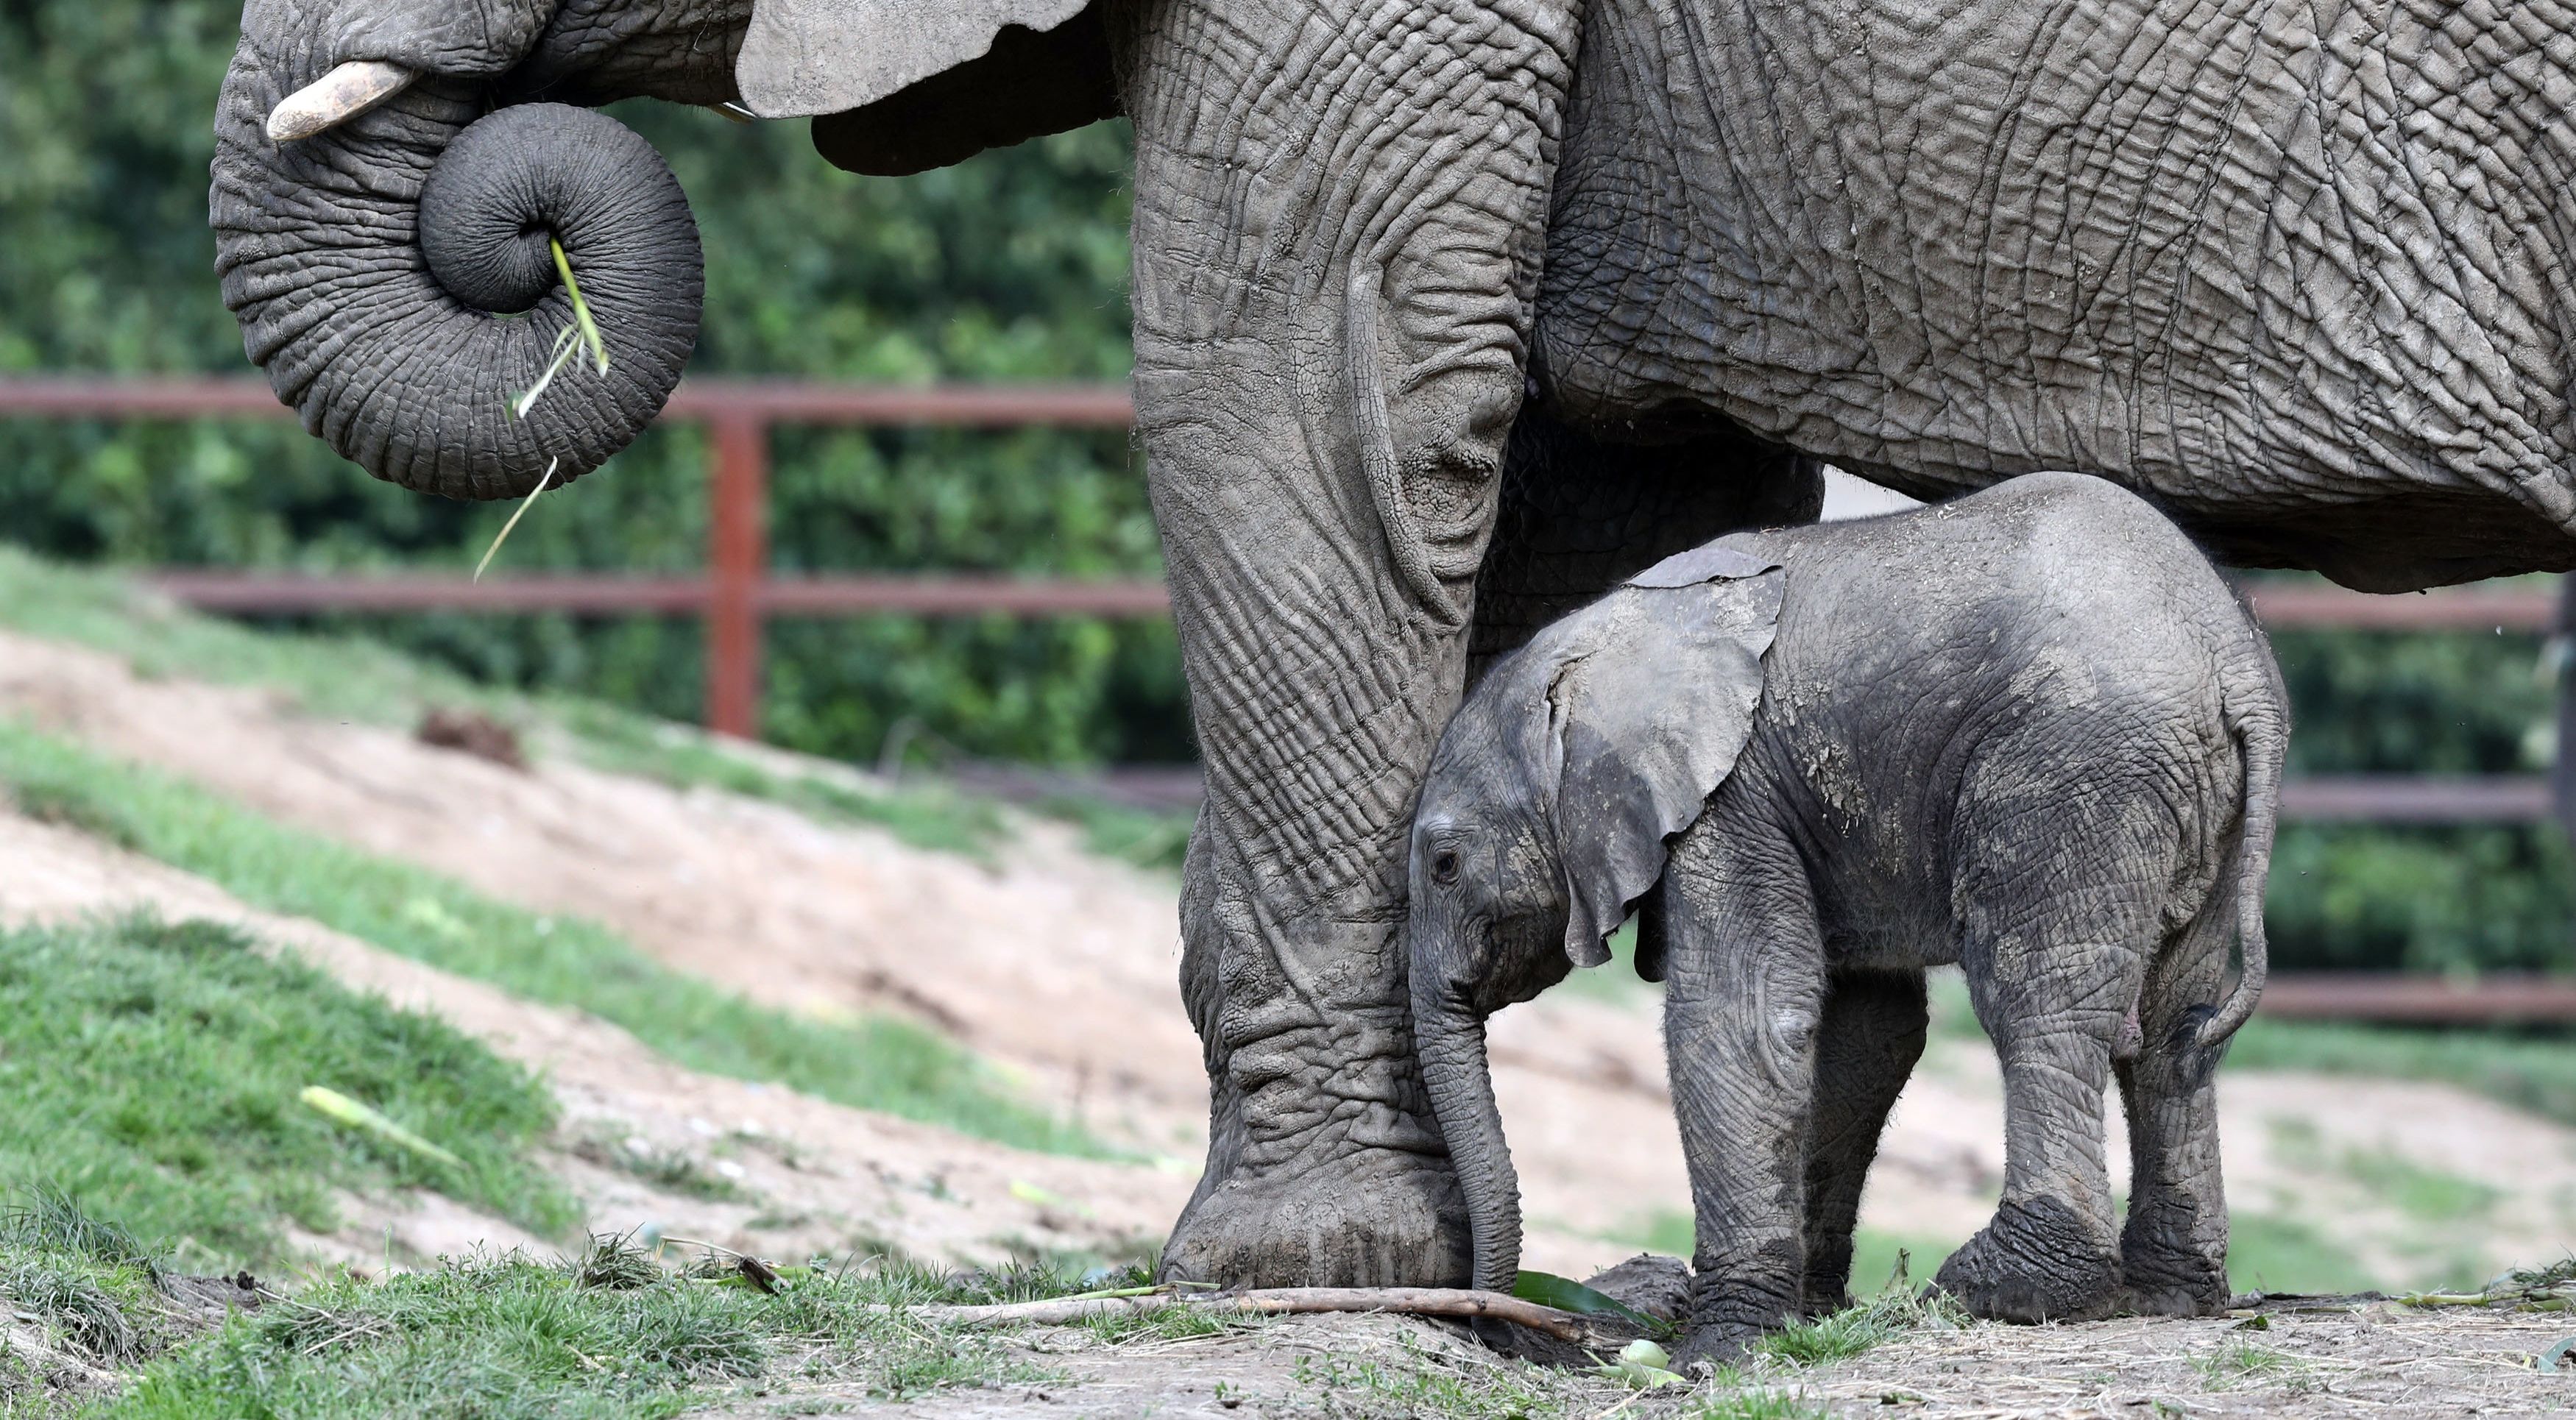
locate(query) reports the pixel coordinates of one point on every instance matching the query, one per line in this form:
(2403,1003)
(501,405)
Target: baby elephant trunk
(1451,1042)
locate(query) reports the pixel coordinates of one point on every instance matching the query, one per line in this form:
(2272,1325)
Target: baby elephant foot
(1827,1288)
(1705,1347)
(1733,1308)
(2037,1261)
(2163,1276)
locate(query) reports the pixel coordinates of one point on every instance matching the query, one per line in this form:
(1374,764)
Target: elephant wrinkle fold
(2254,259)
(1338,227)
(366,264)
(2030,732)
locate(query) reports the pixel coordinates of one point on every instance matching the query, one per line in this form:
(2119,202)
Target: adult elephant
(1450,312)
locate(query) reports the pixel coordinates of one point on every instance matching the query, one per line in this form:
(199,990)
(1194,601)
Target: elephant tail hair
(2257,715)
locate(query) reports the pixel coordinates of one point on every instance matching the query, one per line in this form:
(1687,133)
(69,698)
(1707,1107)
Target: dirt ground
(2370,1359)
(815,1175)
(1060,966)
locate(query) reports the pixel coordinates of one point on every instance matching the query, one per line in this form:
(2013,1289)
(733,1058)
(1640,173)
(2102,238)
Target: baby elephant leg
(2053,969)
(2173,1252)
(1744,994)
(1866,1049)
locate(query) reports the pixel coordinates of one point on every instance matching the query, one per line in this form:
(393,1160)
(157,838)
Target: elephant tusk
(336,97)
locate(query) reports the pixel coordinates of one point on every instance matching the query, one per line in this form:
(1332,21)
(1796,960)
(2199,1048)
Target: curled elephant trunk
(1451,1044)
(394,276)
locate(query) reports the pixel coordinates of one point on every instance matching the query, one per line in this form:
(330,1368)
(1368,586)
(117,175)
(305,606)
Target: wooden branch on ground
(1275,1301)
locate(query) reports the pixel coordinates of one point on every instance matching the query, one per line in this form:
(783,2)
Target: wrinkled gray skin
(2030,733)
(367,265)
(2312,310)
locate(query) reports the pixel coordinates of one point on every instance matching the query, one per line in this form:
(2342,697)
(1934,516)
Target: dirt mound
(806,1175)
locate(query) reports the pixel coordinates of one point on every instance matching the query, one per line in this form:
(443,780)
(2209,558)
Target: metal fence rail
(737,593)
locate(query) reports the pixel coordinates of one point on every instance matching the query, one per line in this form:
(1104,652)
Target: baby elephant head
(1544,817)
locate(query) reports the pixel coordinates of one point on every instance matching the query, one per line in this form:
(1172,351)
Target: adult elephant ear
(903,86)
(1650,706)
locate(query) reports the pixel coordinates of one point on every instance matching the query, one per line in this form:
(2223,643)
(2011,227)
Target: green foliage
(1859,1328)
(2377,702)
(879,1064)
(152,1070)
(1567,1295)
(2434,898)
(1009,267)
(2349,897)
(78,1287)
(594,1336)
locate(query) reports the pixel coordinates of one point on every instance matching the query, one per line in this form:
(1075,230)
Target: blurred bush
(2431,898)
(1010,267)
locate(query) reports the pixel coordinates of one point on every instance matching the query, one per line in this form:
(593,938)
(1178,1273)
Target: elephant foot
(2162,1274)
(2037,1261)
(1369,1217)
(1735,1304)
(1705,1348)
(1827,1288)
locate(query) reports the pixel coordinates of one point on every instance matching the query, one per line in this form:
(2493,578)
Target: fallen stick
(1275,1301)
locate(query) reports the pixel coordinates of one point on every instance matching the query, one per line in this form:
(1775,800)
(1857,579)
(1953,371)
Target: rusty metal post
(737,564)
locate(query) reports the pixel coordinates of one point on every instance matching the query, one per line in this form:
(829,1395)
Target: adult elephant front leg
(1338,217)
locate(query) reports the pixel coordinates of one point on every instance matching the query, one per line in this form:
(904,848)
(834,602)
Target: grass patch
(606,1334)
(885,1065)
(341,677)
(612,1330)
(2528,1071)
(2246,1362)
(2425,1195)
(931,816)
(1420,1384)
(2268,1253)
(153,1071)
(351,678)
(1758,1404)
(1896,1309)
(76,1291)
(1143,837)
(1857,1329)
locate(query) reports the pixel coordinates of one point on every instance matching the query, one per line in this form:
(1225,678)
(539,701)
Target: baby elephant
(2029,732)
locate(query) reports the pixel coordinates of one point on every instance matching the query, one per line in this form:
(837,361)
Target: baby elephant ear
(1650,714)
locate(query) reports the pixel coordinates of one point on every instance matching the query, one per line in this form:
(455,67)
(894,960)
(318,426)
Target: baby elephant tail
(2258,719)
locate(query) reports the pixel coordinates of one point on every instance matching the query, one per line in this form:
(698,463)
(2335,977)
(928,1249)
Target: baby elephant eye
(1444,867)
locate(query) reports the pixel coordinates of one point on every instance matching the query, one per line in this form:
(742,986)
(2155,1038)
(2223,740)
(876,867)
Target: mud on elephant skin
(2030,733)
